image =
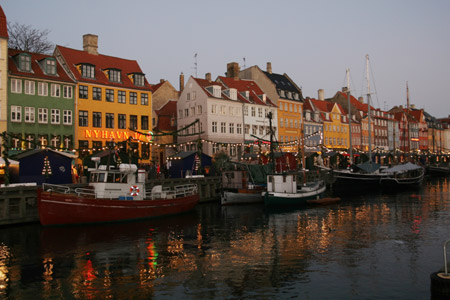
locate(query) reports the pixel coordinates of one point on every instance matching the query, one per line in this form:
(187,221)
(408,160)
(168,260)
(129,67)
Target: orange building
(113,99)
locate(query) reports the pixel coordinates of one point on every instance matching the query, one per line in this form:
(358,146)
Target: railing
(81,192)
(56,188)
(173,192)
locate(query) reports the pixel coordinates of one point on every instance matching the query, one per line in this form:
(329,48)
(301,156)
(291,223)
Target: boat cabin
(282,183)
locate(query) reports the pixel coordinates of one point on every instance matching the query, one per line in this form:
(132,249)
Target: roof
(36,69)
(157,86)
(34,151)
(3,25)
(244,85)
(102,63)
(185,154)
(203,83)
(165,115)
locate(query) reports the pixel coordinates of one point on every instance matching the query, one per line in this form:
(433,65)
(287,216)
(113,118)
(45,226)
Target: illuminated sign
(112,134)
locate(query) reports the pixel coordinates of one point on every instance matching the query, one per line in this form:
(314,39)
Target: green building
(40,102)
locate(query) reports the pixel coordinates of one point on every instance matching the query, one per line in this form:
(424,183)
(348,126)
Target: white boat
(239,188)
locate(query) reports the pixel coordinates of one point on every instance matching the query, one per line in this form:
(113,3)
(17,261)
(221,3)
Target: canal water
(374,246)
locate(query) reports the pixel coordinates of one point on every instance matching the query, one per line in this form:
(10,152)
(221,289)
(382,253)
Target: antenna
(244,62)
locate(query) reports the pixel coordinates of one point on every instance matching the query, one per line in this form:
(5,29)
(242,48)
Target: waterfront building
(113,99)
(40,102)
(379,121)
(393,132)
(211,118)
(445,122)
(3,71)
(286,95)
(164,116)
(419,115)
(313,126)
(255,107)
(435,134)
(401,118)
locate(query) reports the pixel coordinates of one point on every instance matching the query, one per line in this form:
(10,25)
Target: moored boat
(405,175)
(113,195)
(438,170)
(240,187)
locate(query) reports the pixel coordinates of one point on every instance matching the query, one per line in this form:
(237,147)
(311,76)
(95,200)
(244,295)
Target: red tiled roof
(102,62)
(37,71)
(165,115)
(242,86)
(203,83)
(3,25)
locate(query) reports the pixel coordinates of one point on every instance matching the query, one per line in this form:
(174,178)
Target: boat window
(93,177)
(110,177)
(117,178)
(101,177)
(270,178)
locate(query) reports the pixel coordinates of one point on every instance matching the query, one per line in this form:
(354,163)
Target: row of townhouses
(84,101)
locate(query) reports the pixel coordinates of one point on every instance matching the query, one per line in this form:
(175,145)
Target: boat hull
(355,181)
(61,209)
(393,183)
(241,197)
(292,199)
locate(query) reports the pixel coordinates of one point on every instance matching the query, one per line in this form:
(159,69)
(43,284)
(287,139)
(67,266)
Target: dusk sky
(314,42)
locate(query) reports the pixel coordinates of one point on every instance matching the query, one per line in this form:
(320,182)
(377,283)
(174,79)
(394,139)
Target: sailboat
(366,175)
(284,189)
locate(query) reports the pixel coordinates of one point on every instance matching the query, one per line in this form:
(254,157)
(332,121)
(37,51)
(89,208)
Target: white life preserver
(134,190)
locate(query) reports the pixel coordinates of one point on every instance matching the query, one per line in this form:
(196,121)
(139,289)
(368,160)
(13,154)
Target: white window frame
(16,86)
(30,114)
(42,115)
(42,88)
(30,87)
(16,113)
(55,90)
(67,117)
(67,91)
(214,127)
(55,116)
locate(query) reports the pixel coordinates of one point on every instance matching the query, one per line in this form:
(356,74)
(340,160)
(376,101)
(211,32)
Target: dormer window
(138,79)
(88,71)
(25,62)
(217,91)
(114,75)
(50,66)
(233,94)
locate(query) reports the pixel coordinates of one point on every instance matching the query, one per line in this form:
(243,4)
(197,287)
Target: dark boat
(438,170)
(400,176)
(113,195)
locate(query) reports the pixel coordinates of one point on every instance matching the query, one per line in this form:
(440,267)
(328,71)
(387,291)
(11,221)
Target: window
(214,127)
(231,127)
(253,112)
(43,115)
(180,113)
(247,129)
(83,118)
(217,90)
(193,111)
(55,116)
(133,122)
(122,121)
(239,128)
(109,95)
(67,92)
(50,66)
(109,120)
(25,62)
(281,122)
(138,79)
(67,117)
(29,114)
(223,127)
(56,90)
(245,110)
(83,92)
(97,119)
(16,86)
(29,87)
(260,112)
(121,97)
(88,71)
(144,99)
(223,110)
(96,93)
(114,75)
(42,88)
(144,122)
(188,96)
(186,112)
(214,109)
(193,95)
(133,98)
(199,109)
(215,148)
(16,113)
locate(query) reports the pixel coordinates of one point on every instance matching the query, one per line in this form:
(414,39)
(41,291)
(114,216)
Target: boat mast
(368,109)
(272,155)
(349,117)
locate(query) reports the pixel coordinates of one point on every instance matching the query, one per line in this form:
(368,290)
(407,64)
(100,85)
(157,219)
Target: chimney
(321,94)
(344,89)
(269,67)
(361,99)
(161,80)
(90,43)
(413,106)
(208,76)
(233,70)
(181,82)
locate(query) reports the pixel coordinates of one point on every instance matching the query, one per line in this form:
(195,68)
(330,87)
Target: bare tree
(26,38)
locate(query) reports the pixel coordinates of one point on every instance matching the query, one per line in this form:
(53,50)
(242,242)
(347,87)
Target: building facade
(3,71)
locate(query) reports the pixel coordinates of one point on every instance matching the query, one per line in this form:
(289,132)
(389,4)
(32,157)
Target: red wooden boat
(113,195)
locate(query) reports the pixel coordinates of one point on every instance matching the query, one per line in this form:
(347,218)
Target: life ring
(134,190)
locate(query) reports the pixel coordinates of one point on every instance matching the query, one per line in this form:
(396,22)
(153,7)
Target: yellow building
(113,100)
(290,130)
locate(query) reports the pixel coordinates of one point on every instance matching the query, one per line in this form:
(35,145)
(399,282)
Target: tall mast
(368,109)
(349,118)
(407,116)
(272,154)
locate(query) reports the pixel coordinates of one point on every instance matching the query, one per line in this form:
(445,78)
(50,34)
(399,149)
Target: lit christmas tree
(46,170)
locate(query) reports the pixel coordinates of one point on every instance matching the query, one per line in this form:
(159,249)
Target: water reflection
(343,251)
